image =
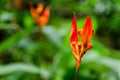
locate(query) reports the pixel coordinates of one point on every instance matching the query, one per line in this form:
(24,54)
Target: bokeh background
(31,52)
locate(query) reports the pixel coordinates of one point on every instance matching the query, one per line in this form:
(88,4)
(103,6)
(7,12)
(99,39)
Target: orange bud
(39,17)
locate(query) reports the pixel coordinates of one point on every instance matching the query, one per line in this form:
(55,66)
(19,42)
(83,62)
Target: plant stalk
(77,69)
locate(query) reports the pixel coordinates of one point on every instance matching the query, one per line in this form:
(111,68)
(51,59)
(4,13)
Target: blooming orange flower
(40,16)
(80,47)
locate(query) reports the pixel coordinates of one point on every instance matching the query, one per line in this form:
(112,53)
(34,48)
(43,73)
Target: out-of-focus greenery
(29,52)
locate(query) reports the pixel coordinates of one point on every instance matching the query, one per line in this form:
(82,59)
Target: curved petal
(39,8)
(43,19)
(33,11)
(36,12)
(73,33)
(87,30)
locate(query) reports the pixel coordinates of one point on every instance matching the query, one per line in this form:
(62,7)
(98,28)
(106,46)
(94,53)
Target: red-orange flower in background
(80,47)
(40,16)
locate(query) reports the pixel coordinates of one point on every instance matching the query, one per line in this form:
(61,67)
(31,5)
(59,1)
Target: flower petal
(80,32)
(87,30)
(43,19)
(36,12)
(88,47)
(73,33)
(39,8)
(33,11)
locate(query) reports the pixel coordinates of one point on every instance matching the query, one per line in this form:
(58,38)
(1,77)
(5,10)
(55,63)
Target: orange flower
(80,47)
(40,16)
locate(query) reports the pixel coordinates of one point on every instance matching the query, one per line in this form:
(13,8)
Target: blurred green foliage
(29,52)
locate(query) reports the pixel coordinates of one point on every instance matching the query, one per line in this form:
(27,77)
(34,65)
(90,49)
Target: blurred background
(31,52)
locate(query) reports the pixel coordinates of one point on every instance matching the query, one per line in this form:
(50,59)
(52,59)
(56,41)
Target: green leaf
(6,16)
(114,64)
(11,68)
(28,21)
(11,26)
(13,39)
(101,49)
(52,35)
